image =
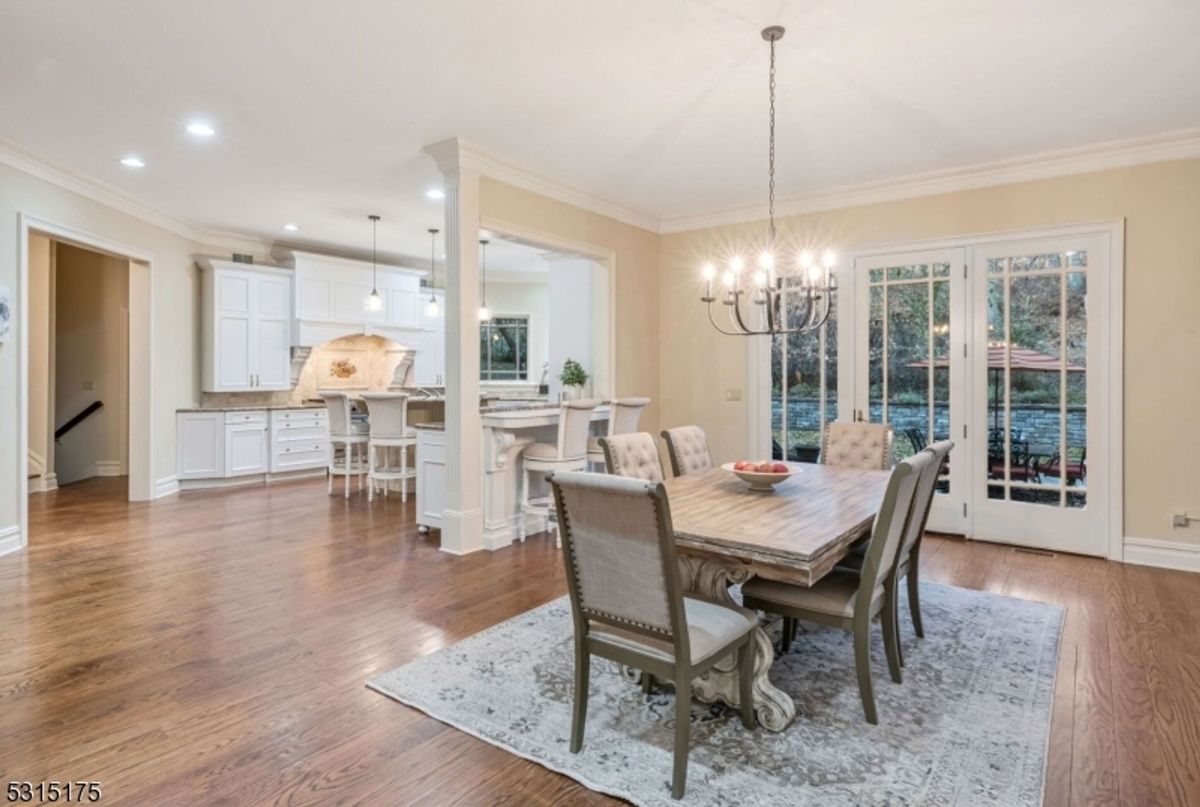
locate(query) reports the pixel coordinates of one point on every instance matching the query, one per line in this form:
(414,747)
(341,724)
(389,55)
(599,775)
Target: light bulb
(484,313)
(727,279)
(760,278)
(374,302)
(432,309)
(806,259)
(736,264)
(814,274)
(828,259)
(710,271)
(766,261)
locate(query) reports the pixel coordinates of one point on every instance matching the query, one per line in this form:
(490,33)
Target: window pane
(503,345)
(908,345)
(912,272)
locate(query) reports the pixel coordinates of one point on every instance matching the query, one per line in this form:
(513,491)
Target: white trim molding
(166,486)
(1178,145)
(10,539)
(1163,554)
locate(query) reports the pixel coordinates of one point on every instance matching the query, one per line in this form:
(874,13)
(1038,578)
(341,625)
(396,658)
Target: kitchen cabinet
(431,477)
(246,325)
(429,365)
(246,443)
(215,447)
(200,445)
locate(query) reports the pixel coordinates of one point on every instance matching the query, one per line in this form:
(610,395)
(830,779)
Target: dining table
(726,533)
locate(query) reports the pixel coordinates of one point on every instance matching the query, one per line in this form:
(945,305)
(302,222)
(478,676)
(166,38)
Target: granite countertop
(430,427)
(249,408)
(523,406)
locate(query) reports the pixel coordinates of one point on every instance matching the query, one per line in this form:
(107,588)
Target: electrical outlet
(1180,520)
(733,395)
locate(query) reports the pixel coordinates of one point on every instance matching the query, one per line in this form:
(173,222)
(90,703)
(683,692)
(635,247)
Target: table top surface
(796,533)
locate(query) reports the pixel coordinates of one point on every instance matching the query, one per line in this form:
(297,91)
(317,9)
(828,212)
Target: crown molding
(1177,145)
(460,154)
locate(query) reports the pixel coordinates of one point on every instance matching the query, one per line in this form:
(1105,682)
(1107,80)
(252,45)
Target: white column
(462,519)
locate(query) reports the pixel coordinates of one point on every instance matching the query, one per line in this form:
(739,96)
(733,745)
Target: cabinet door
(271,342)
(200,445)
(430,361)
(431,479)
(246,449)
(233,331)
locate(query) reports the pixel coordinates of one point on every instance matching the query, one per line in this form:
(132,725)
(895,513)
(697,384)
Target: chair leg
(746,682)
(583,664)
(789,633)
(346,455)
(329,470)
(404,474)
(524,504)
(372,458)
(891,637)
(914,598)
(361,461)
(862,665)
(683,725)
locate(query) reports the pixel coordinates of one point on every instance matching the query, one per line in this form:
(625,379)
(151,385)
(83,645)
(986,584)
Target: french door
(910,316)
(1003,348)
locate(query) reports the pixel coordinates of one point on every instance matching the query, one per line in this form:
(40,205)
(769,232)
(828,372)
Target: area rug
(969,725)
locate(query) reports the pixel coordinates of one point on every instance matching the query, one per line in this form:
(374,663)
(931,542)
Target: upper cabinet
(331,296)
(246,326)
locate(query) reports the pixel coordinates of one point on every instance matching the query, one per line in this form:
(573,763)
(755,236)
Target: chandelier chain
(771,150)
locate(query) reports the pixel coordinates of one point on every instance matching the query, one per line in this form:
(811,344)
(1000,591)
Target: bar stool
(389,430)
(345,432)
(623,416)
(569,453)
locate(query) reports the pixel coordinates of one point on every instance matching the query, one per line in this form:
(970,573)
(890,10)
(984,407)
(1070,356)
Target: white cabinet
(246,443)
(429,365)
(431,477)
(245,327)
(200,445)
(299,439)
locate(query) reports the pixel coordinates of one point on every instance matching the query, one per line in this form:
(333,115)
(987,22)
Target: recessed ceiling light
(201,129)
(291,228)
(435,193)
(132,162)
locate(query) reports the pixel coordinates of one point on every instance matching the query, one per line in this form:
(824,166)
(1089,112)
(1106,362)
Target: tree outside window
(504,349)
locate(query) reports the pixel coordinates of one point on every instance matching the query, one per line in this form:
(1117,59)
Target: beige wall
(91,354)
(1161,206)
(636,282)
(41,325)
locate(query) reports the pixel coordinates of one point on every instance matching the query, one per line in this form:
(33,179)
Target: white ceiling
(322,108)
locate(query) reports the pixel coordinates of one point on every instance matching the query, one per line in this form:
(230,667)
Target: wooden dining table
(726,533)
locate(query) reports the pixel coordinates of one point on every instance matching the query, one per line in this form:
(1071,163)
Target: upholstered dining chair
(567,453)
(350,435)
(623,417)
(627,600)
(389,431)
(632,455)
(848,601)
(857,444)
(907,565)
(687,448)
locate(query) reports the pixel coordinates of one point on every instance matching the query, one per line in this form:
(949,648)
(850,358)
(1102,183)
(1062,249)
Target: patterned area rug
(969,725)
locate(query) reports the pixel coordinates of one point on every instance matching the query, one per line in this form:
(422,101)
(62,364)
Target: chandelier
(811,286)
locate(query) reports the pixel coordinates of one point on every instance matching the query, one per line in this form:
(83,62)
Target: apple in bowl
(762,475)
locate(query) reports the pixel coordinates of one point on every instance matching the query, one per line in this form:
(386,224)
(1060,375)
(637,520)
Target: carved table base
(774,708)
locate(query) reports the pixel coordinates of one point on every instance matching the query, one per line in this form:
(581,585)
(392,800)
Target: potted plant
(573,378)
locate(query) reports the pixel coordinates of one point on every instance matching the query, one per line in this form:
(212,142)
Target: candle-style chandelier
(812,287)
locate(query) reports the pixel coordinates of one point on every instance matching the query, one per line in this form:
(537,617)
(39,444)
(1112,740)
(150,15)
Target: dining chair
(634,456)
(623,417)
(851,601)
(687,448)
(567,453)
(857,444)
(389,430)
(627,600)
(351,435)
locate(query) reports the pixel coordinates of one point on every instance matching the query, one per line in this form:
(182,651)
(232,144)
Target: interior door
(1039,374)
(909,362)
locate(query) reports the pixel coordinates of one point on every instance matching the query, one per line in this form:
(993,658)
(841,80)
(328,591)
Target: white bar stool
(345,432)
(623,416)
(389,429)
(569,453)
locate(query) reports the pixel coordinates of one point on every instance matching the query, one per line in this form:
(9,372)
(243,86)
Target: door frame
(758,350)
(140,392)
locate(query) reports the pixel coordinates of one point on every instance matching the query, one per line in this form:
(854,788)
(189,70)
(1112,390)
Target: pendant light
(374,302)
(432,309)
(484,313)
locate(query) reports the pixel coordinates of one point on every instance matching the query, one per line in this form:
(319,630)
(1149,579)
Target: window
(803,386)
(504,349)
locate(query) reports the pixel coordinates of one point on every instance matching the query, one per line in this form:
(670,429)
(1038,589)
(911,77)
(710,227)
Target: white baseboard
(166,486)
(10,539)
(107,468)
(1163,554)
(44,483)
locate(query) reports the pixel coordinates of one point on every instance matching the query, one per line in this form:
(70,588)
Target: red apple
(765,467)
(780,468)
(740,465)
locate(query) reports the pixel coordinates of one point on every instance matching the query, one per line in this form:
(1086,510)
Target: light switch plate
(733,395)
(1179,520)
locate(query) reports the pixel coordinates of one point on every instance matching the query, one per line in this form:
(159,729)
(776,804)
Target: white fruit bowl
(764,482)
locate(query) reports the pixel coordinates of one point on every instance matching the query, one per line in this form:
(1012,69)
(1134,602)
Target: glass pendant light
(432,309)
(374,302)
(485,313)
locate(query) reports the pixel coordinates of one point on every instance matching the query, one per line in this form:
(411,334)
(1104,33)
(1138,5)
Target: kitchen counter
(433,427)
(249,408)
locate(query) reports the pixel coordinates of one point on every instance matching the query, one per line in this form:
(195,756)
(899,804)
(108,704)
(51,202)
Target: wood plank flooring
(212,648)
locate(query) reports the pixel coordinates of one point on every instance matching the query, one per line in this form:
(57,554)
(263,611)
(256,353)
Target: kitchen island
(507,428)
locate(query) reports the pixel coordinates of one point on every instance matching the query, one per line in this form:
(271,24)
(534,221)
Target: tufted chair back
(687,446)
(632,455)
(857,445)
(338,404)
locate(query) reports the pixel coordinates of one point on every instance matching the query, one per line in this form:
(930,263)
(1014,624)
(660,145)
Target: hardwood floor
(212,649)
